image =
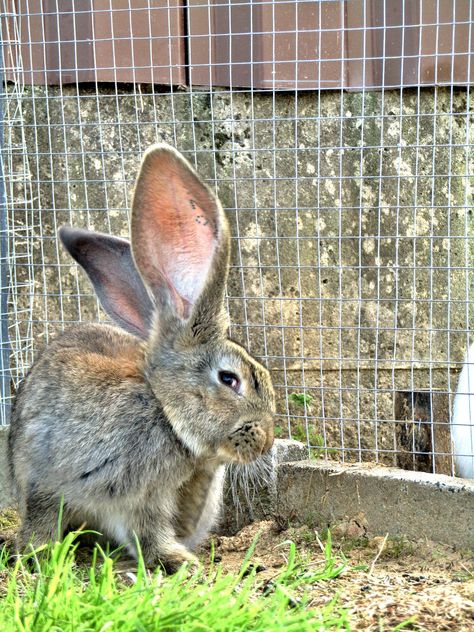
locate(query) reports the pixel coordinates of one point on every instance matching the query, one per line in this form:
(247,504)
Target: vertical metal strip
(4,338)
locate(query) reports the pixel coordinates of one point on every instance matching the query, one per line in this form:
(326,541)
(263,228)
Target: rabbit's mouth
(247,442)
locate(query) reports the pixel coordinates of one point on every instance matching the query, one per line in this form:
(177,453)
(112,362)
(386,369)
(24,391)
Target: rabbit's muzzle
(250,440)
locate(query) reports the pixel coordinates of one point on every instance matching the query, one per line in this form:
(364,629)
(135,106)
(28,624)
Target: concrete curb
(386,500)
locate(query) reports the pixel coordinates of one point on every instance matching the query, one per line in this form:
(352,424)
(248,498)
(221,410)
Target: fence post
(4,338)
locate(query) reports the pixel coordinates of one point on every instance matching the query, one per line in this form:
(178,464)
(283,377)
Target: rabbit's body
(115,461)
(131,433)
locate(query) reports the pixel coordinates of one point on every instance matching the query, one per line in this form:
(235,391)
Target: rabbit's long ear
(109,265)
(180,240)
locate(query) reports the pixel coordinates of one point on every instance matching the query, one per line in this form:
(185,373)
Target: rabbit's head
(218,399)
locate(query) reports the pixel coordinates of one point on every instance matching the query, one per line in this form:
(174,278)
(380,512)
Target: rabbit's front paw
(172,561)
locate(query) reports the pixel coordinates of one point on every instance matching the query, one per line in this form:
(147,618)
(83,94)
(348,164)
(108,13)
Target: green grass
(301,399)
(302,402)
(49,590)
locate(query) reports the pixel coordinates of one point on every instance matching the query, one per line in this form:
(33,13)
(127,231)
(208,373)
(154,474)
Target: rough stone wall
(350,214)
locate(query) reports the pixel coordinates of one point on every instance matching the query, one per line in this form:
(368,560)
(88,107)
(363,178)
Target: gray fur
(132,436)
(109,264)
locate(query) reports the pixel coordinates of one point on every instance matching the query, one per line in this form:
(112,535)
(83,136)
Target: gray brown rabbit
(130,428)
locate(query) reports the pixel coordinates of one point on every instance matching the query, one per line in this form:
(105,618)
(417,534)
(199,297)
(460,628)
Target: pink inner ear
(174,228)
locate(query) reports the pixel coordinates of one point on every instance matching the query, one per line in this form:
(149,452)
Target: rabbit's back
(86,422)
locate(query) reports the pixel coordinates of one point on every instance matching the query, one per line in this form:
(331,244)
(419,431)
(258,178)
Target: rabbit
(128,429)
(462,421)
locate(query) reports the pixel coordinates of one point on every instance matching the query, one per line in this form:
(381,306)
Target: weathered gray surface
(5,495)
(387,500)
(369,193)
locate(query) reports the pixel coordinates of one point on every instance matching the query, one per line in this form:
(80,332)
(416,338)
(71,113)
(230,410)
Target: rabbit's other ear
(180,240)
(109,265)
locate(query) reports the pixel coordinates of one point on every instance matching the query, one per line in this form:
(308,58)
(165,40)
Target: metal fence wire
(340,144)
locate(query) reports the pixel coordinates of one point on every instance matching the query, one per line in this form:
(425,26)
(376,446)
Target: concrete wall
(368,191)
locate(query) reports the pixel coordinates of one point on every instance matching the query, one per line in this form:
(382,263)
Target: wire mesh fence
(347,184)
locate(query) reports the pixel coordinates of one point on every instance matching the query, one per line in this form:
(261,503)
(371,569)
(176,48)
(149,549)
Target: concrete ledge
(5,495)
(388,500)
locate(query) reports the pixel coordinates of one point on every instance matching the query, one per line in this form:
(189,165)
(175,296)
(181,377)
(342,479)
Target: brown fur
(132,432)
(106,369)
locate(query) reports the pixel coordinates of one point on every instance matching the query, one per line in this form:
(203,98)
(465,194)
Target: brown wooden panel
(214,57)
(86,41)
(447,48)
(307,45)
(422,431)
(353,44)
(266,44)
(409,43)
(281,44)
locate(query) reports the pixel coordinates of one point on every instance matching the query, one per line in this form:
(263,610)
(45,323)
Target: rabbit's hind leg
(160,546)
(44,519)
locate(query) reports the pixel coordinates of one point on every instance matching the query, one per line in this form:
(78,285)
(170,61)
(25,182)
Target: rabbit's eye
(229,379)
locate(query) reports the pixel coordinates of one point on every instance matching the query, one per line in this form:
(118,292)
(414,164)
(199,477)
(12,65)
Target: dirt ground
(387,581)
(427,581)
